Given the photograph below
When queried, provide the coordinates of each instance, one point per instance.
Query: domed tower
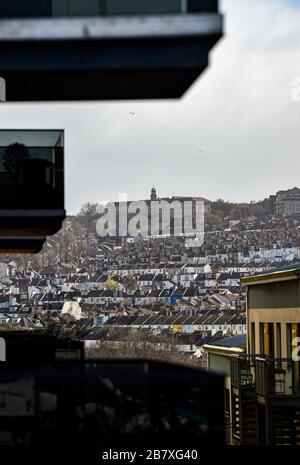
(153, 194)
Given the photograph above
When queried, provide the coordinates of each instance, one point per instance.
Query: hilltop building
(287, 202)
(177, 205)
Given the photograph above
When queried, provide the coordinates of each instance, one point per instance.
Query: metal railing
(269, 376)
(242, 370)
(276, 376)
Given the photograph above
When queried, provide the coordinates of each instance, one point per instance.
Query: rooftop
(286, 273)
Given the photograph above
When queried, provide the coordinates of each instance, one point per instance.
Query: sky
(234, 135)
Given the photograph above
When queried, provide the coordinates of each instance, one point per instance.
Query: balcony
(265, 400)
(105, 49)
(242, 371)
(31, 188)
(269, 376)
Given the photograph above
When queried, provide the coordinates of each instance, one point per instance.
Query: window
(270, 341)
(289, 340)
(30, 162)
(278, 340)
(252, 338)
(227, 403)
(48, 8)
(266, 339)
(261, 339)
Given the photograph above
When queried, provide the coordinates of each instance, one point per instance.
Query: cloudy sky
(234, 135)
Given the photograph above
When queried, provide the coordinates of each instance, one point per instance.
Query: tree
(13, 159)
(221, 208)
(87, 217)
(130, 283)
(138, 345)
(111, 284)
(89, 210)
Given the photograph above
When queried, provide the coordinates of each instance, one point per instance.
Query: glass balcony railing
(31, 188)
(66, 8)
(31, 170)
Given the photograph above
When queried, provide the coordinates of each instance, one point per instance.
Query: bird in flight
(132, 113)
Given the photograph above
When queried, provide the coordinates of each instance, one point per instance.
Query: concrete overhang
(106, 58)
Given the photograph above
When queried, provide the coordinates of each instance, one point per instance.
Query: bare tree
(116, 344)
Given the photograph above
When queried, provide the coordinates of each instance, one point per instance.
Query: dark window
(23, 9)
(289, 340)
(48, 8)
(261, 339)
(253, 345)
(271, 340)
(227, 403)
(278, 340)
(31, 170)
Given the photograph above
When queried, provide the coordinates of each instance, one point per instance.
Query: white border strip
(201, 24)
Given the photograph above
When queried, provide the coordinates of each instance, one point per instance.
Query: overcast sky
(240, 114)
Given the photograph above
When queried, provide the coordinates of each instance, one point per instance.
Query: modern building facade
(263, 384)
(273, 312)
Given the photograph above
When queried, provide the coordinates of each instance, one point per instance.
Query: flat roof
(227, 345)
(234, 341)
(276, 275)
